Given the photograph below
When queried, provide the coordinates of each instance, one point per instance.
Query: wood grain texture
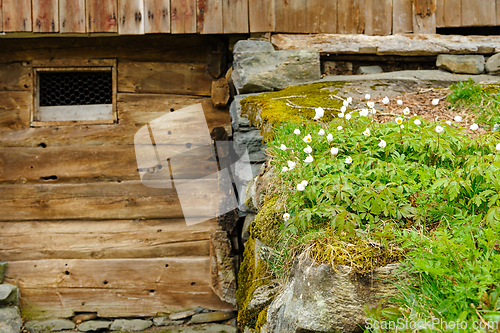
(104, 239)
(402, 17)
(350, 17)
(479, 13)
(163, 77)
(1, 16)
(321, 16)
(261, 16)
(183, 16)
(15, 109)
(15, 77)
(378, 17)
(102, 15)
(235, 16)
(45, 16)
(113, 287)
(72, 16)
(452, 13)
(157, 16)
(209, 16)
(131, 17)
(290, 15)
(440, 13)
(424, 16)
(16, 15)
(498, 11)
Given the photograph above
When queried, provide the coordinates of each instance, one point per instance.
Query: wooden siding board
(478, 13)
(350, 18)
(45, 16)
(291, 15)
(16, 15)
(1, 16)
(15, 109)
(209, 16)
(15, 77)
(424, 16)
(328, 17)
(378, 17)
(131, 17)
(72, 16)
(402, 17)
(157, 16)
(235, 16)
(261, 15)
(104, 239)
(102, 15)
(183, 16)
(440, 13)
(452, 13)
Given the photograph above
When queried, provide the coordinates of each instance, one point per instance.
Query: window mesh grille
(75, 88)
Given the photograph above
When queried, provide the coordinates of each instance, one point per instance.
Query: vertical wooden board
(209, 16)
(235, 16)
(131, 17)
(156, 16)
(72, 16)
(16, 15)
(45, 16)
(498, 12)
(101, 16)
(378, 17)
(261, 15)
(439, 13)
(183, 16)
(424, 16)
(1, 16)
(402, 13)
(291, 15)
(452, 13)
(321, 16)
(478, 13)
(350, 17)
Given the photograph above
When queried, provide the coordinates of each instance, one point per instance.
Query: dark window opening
(469, 31)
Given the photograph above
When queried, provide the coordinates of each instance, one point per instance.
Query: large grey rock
(253, 45)
(94, 325)
(493, 64)
(244, 232)
(130, 325)
(10, 320)
(252, 142)
(274, 70)
(261, 297)
(165, 321)
(222, 269)
(51, 325)
(369, 70)
(211, 317)
(317, 299)
(3, 267)
(465, 64)
(238, 121)
(8, 293)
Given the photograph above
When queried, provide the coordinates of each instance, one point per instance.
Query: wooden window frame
(73, 65)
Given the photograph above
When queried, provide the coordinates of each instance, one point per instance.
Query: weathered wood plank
(424, 16)
(378, 17)
(1, 16)
(350, 17)
(321, 16)
(183, 16)
(131, 17)
(113, 287)
(478, 13)
(45, 16)
(402, 17)
(102, 15)
(452, 13)
(235, 16)
(157, 16)
(440, 13)
(498, 11)
(104, 239)
(104, 200)
(72, 16)
(16, 15)
(290, 15)
(170, 78)
(15, 108)
(209, 16)
(261, 16)
(15, 77)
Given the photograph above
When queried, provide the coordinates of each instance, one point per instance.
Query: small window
(69, 92)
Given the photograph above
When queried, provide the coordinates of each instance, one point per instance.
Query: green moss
(492, 89)
(262, 318)
(268, 110)
(374, 87)
(267, 223)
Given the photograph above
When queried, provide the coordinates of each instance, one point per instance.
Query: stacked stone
(10, 318)
(469, 64)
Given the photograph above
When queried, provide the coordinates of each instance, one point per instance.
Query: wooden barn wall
(71, 194)
(131, 17)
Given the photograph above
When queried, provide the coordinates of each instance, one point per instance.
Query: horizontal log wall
(79, 230)
(136, 17)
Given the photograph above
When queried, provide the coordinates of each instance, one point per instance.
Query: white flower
(448, 123)
(458, 119)
(370, 104)
(439, 129)
(304, 182)
(340, 128)
(307, 138)
(402, 126)
(498, 147)
(319, 113)
(417, 122)
(341, 115)
(329, 137)
(400, 102)
(349, 99)
(308, 149)
(284, 169)
(297, 131)
(301, 187)
(363, 113)
(286, 217)
(385, 100)
(343, 109)
(367, 96)
(309, 159)
(345, 103)
(367, 132)
(435, 101)
(399, 120)
(321, 132)
(348, 160)
(474, 127)
(496, 127)
(406, 111)
(283, 147)
(334, 151)
(348, 116)
(291, 165)
(373, 111)
(382, 144)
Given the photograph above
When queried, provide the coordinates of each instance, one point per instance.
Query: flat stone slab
(130, 325)
(465, 64)
(165, 321)
(94, 325)
(214, 328)
(10, 320)
(211, 317)
(182, 315)
(51, 325)
(5, 292)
